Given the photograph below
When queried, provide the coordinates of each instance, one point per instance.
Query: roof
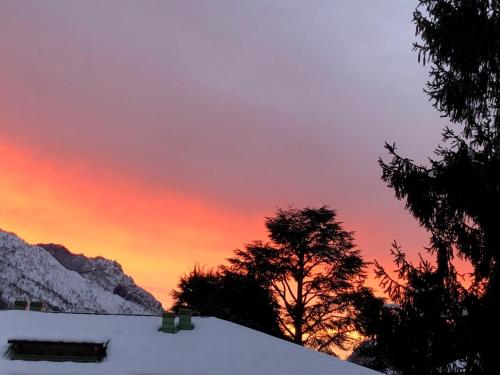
(136, 347)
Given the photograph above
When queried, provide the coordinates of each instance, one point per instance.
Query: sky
(162, 133)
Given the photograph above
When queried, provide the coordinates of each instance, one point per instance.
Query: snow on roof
(55, 337)
(136, 347)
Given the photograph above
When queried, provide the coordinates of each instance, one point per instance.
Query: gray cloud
(251, 104)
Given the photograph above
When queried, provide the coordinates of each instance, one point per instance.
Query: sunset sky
(161, 133)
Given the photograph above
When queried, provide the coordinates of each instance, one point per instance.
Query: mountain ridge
(107, 273)
(66, 281)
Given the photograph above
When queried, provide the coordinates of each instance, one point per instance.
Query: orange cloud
(155, 233)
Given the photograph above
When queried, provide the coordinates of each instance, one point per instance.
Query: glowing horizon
(161, 134)
(155, 234)
(150, 233)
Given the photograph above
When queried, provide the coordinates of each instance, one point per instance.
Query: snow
(55, 337)
(136, 347)
(106, 273)
(30, 272)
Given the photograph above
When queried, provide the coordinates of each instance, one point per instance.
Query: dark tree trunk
(299, 309)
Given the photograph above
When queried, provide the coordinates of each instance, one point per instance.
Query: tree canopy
(456, 197)
(230, 296)
(314, 270)
(427, 329)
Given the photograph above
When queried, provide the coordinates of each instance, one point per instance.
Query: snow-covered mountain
(106, 273)
(69, 283)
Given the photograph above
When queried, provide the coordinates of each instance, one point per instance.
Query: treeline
(307, 280)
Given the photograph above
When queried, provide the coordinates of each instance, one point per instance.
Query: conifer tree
(456, 197)
(228, 295)
(314, 270)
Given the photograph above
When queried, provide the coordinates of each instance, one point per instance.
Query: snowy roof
(214, 347)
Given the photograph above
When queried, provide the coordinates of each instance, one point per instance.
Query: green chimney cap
(168, 322)
(185, 319)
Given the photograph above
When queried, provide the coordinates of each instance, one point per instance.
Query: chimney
(168, 322)
(20, 304)
(185, 319)
(36, 305)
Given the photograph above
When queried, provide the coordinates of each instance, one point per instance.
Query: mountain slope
(106, 273)
(31, 272)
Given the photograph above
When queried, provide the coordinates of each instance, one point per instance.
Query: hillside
(106, 273)
(82, 285)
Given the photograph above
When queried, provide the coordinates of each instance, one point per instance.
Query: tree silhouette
(230, 296)
(314, 270)
(367, 354)
(427, 329)
(457, 197)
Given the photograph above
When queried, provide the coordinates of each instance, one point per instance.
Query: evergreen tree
(427, 329)
(457, 196)
(367, 354)
(314, 270)
(231, 296)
